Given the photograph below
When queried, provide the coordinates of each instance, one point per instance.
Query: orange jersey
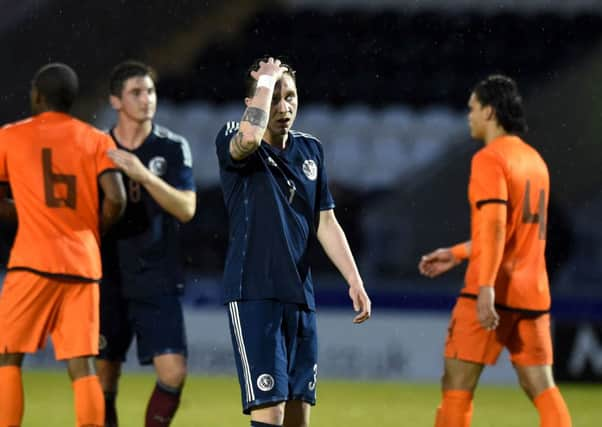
(512, 172)
(52, 162)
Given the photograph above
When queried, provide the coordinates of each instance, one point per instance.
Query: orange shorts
(33, 307)
(527, 337)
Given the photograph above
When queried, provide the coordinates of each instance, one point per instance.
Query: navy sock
(258, 424)
(110, 409)
(162, 406)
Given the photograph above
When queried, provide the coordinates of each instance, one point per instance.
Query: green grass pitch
(215, 402)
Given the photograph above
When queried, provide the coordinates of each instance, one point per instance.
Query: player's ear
(115, 102)
(490, 112)
(247, 101)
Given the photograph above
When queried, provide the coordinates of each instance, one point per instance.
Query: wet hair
(501, 93)
(58, 84)
(251, 83)
(125, 71)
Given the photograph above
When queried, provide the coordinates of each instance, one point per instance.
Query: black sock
(162, 405)
(110, 409)
(258, 424)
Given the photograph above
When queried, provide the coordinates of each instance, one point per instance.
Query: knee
(459, 381)
(270, 414)
(174, 376)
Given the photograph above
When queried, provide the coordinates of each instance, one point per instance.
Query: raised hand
(270, 67)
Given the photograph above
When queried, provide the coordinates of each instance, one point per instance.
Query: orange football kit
(53, 162)
(507, 171)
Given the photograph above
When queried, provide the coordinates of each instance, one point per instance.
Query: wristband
(266, 81)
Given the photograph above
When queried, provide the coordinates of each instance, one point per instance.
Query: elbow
(187, 214)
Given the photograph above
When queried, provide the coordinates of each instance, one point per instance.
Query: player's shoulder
(166, 136)
(229, 128)
(227, 131)
(306, 139)
(169, 136)
(17, 126)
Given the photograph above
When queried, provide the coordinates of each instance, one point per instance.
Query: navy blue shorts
(157, 322)
(276, 351)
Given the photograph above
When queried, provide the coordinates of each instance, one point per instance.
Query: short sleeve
(326, 199)
(222, 146)
(103, 161)
(487, 179)
(184, 178)
(3, 165)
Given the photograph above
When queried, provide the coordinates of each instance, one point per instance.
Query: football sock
(111, 409)
(552, 409)
(258, 424)
(162, 405)
(11, 396)
(89, 402)
(455, 409)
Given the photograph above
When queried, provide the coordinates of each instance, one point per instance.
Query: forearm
(179, 203)
(8, 212)
(253, 124)
(111, 211)
(334, 242)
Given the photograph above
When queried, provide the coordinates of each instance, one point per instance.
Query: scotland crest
(310, 170)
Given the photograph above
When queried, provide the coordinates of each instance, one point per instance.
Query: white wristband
(266, 81)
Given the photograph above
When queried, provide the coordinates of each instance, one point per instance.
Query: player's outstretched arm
(332, 238)
(113, 204)
(254, 120)
(179, 203)
(442, 260)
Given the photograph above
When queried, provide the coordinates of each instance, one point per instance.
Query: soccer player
(142, 276)
(54, 164)
(276, 192)
(505, 301)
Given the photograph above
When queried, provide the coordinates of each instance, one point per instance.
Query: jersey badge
(310, 170)
(158, 165)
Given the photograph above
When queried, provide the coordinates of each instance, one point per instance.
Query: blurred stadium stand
(383, 84)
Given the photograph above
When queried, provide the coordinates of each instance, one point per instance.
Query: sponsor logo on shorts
(158, 165)
(310, 170)
(265, 382)
(102, 342)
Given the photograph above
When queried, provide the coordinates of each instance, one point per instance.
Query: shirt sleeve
(326, 199)
(184, 178)
(487, 179)
(103, 161)
(222, 146)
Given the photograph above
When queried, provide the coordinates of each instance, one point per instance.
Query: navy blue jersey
(274, 198)
(141, 252)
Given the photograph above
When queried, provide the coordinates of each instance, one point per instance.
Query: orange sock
(89, 402)
(455, 409)
(11, 396)
(552, 409)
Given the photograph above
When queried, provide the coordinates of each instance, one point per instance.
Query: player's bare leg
(109, 372)
(163, 403)
(296, 414)
(460, 378)
(538, 383)
(271, 415)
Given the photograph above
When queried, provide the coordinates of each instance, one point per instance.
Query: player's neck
(494, 132)
(277, 141)
(132, 134)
